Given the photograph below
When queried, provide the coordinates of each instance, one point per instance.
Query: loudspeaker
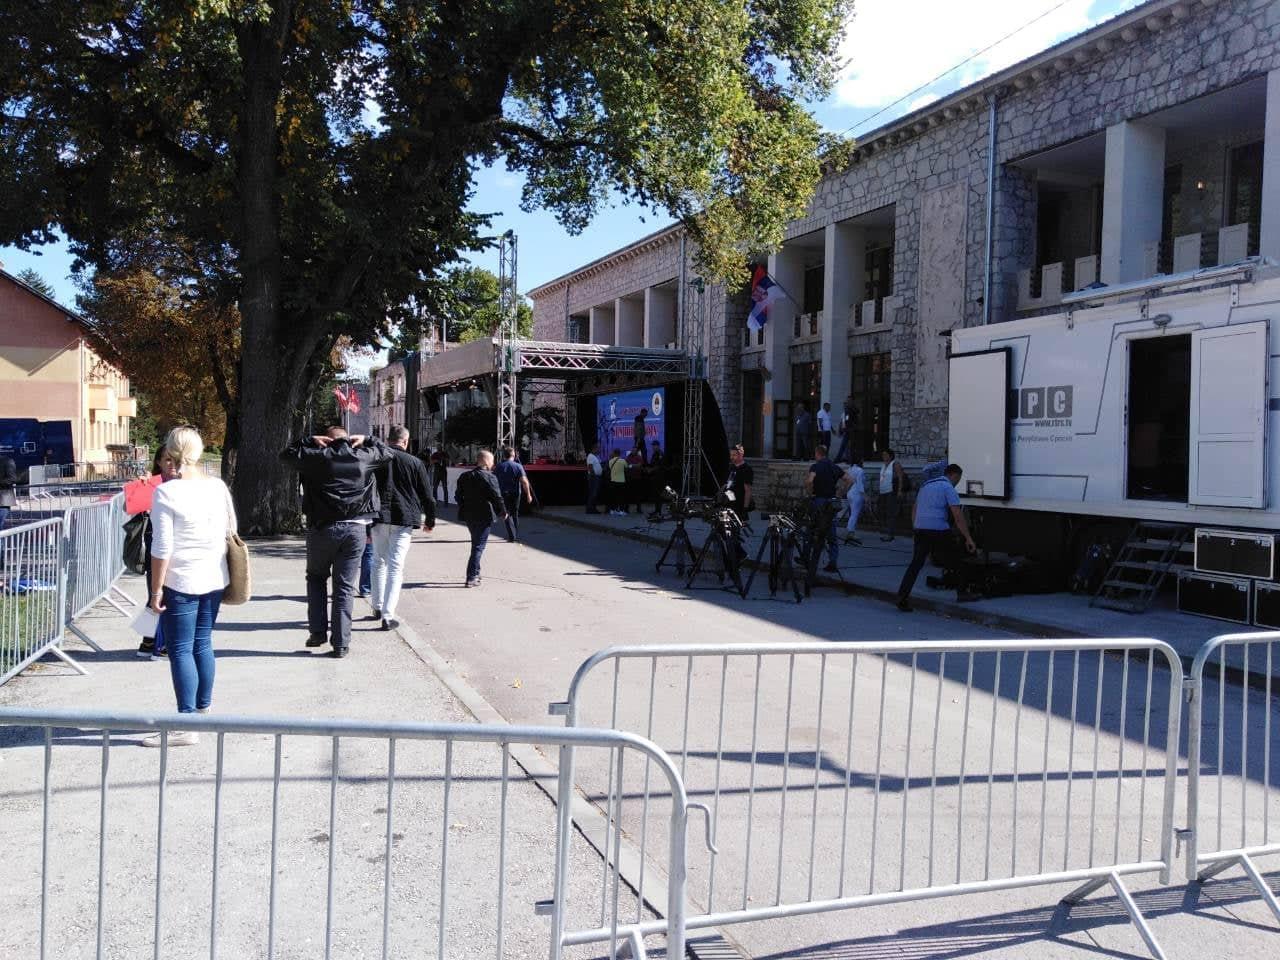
(433, 400)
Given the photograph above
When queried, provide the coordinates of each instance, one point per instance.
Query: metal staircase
(1151, 553)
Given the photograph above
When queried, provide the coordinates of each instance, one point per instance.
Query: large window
(1244, 190)
(752, 412)
(806, 385)
(870, 389)
(814, 278)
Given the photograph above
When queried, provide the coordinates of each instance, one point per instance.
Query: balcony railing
(1192, 251)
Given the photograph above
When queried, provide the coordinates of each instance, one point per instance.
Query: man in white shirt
(824, 425)
(854, 495)
(594, 471)
(891, 488)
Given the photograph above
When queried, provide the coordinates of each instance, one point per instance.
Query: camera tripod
(683, 547)
(779, 542)
(724, 545)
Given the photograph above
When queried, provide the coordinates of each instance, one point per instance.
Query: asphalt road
(548, 603)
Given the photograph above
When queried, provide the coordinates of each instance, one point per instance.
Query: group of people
(627, 479)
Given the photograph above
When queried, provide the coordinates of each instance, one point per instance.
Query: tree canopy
(469, 306)
(321, 155)
(36, 282)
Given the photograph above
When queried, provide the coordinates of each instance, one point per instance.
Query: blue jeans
(366, 567)
(593, 490)
(187, 625)
(479, 537)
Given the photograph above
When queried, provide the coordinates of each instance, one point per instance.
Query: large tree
(329, 148)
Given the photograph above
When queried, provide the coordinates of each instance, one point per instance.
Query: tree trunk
(265, 490)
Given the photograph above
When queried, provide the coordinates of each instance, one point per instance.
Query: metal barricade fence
(1233, 792)
(31, 604)
(280, 834)
(94, 559)
(39, 502)
(848, 774)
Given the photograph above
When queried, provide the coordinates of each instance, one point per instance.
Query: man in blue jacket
(479, 504)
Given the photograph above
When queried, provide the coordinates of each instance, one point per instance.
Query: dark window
(870, 389)
(879, 276)
(753, 412)
(814, 277)
(806, 385)
(1171, 222)
(1244, 191)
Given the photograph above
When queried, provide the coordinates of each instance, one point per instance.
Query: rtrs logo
(1045, 403)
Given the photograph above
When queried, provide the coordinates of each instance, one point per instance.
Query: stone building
(1149, 144)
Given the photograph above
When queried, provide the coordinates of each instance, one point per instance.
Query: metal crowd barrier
(41, 501)
(850, 774)
(94, 560)
(31, 600)
(348, 833)
(1229, 792)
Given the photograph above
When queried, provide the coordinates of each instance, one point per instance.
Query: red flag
(341, 398)
(353, 401)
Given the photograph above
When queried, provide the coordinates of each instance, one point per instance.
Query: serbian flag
(353, 401)
(764, 293)
(341, 397)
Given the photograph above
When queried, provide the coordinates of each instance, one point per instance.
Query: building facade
(49, 371)
(1147, 145)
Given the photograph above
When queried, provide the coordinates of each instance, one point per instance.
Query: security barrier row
(52, 572)
(841, 775)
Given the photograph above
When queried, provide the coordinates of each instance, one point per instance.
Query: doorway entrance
(1159, 431)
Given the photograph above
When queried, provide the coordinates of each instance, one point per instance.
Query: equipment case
(1235, 553)
(1209, 595)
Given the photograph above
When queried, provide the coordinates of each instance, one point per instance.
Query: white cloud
(896, 46)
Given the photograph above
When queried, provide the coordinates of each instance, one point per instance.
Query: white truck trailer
(1154, 401)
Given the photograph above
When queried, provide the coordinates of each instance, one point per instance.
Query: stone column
(602, 325)
(629, 315)
(1269, 234)
(1132, 199)
(844, 266)
(659, 316)
(787, 268)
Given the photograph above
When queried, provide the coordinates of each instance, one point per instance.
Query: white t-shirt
(857, 478)
(824, 420)
(593, 464)
(886, 477)
(191, 519)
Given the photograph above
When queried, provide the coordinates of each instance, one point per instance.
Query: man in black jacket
(340, 499)
(8, 487)
(405, 492)
(479, 503)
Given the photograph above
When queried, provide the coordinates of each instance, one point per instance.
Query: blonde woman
(191, 516)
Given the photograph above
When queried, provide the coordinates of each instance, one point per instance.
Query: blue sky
(889, 57)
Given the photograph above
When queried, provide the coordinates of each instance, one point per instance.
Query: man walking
(440, 475)
(8, 487)
(824, 425)
(937, 506)
(594, 471)
(820, 483)
(893, 482)
(404, 491)
(340, 499)
(514, 484)
(479, 502)
(804, 427)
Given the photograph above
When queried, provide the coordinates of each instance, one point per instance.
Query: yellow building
(50, 371)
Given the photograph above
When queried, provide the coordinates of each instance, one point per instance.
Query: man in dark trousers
(637, 432)
(937, 508)
(440, 474)
(822, 483)
(404, 491)
(479, 503)
(340, 499)
(513, 482)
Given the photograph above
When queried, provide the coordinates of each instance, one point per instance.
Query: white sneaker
(203, 709)
(177, 738)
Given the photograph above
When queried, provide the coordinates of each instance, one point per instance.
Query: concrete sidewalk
(876, 568)
(263, 669)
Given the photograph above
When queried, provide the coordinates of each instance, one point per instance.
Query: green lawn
(27, 622)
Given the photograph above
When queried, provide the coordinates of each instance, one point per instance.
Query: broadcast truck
(1132, 411)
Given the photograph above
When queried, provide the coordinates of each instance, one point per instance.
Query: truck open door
(1228, 416)
(978, 421)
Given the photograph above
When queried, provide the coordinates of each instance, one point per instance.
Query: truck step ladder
(1151, 553)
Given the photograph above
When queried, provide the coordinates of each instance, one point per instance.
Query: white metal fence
(1233, 758)
(849, 774)
(306, 838)
(52, 572)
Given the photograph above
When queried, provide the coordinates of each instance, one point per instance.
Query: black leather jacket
(405, 491)
(479, 499)
(338, 479)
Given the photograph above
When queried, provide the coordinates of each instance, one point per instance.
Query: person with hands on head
(192, 515)
(937, 508)
(340, 500)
